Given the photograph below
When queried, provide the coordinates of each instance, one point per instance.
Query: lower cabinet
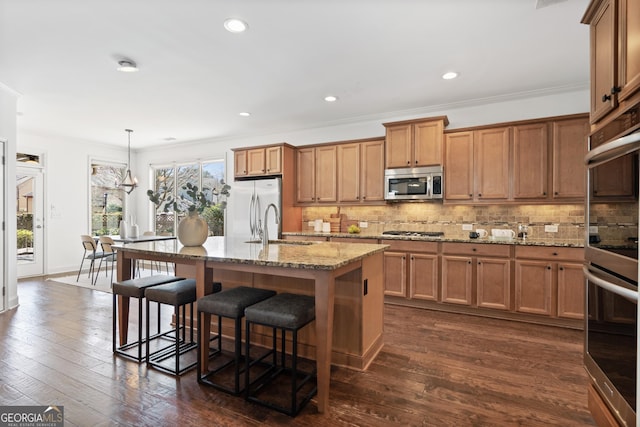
(549, 281)
(477, 275)
(411, 269)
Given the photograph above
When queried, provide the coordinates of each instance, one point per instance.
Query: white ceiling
(378, 56)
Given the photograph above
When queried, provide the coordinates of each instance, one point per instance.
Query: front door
(30, 221)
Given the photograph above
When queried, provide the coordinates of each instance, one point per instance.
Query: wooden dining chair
(91, 253)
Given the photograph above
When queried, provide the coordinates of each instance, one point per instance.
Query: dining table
(320, 262)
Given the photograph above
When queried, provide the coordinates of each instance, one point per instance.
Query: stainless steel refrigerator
(246, 208)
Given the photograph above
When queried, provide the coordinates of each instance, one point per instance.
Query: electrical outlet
(467, 227)
(363, 224)
(593, 229)
(551, 228)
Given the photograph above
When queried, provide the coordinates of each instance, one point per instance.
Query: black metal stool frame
(274, 370)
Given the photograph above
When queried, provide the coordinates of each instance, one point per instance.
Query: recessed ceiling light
(244, 114)
(234, 25)
(450, 75)
(331, 98)
(127, 66)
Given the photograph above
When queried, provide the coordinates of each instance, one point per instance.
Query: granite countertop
(570, 243)
(279, 253)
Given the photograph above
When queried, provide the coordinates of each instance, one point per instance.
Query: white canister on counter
(317, 225)
(123, 229)
(326, 227)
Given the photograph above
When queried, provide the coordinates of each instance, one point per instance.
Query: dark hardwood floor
(436, 369)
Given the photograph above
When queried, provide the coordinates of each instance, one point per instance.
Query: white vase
(193, 230)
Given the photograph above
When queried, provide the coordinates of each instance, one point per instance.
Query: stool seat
(135, 288)
(283, 311)
(174, 293)
(231, 303)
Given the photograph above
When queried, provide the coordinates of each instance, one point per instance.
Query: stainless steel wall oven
(611, 264)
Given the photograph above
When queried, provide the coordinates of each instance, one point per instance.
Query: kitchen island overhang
(346, 280)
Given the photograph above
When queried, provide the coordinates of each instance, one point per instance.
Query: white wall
(8, 111)
(66, 181)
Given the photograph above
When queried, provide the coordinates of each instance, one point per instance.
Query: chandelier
(128, 183)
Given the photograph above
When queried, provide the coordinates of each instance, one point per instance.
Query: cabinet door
(534, 281)
(629, 61)
(306, 185)
(349, 173)
(398, 146)
(614, 179)
(530, 147)
(491, 147)
(240, 163)
(456, 279)
(458, 166)
(603, 60)
(423, 276)
(427, 143)
(571, 287)
(494, 283)
(395, 274)
(256, 161)
(273, 160)
(326, 174)
(372, 172)
(570, 145)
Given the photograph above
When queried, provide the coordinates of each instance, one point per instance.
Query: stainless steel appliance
(611, 264)
(246, 208)
(423, 183)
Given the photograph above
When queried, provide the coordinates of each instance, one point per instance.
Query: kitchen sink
(283, 242)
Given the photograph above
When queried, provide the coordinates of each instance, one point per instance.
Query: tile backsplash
(449, 219)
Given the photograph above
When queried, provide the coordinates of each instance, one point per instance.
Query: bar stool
(287, 312)
(134, 288)
(177, 294)
(231, 304)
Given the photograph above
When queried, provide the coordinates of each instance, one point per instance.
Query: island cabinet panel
(530, 156)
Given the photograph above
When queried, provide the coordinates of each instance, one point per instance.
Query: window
(171, 180)
(107, 200)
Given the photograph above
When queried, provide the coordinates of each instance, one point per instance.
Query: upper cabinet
(415, 143)
(258, 161)
(523, 162)
(615, 54)
(348, 173)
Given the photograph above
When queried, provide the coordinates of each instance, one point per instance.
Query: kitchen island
(345, 278)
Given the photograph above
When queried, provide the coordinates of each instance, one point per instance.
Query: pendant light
(129, 183)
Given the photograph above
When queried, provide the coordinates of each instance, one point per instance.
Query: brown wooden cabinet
(549, 281)
(534, 161)
(615, 54)
(258, 161)
(529, 160)
(415, 143)
(360, 172)
(317, 174)
(476, 275)
(411, 269)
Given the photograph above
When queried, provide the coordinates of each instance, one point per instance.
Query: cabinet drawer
(474, 249)
(410, 246)
(550, 253)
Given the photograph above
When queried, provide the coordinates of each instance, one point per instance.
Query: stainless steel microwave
(424, 183)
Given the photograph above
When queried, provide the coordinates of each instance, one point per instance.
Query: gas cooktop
(414, 233)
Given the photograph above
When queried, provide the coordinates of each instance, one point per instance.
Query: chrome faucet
(265, 230)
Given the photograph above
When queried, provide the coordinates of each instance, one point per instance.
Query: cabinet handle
(364, 197)
(469, 262)
(416, 162)
(408, 162)
(403, 258)
(412, 258)
(606, 97)
(548, 267)
(561, 268)
(555, 194)
(555, 254)
(615, 90)
(470, 195)
(544, 193)
(473, 249)
(479, 194)
(479, 263)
